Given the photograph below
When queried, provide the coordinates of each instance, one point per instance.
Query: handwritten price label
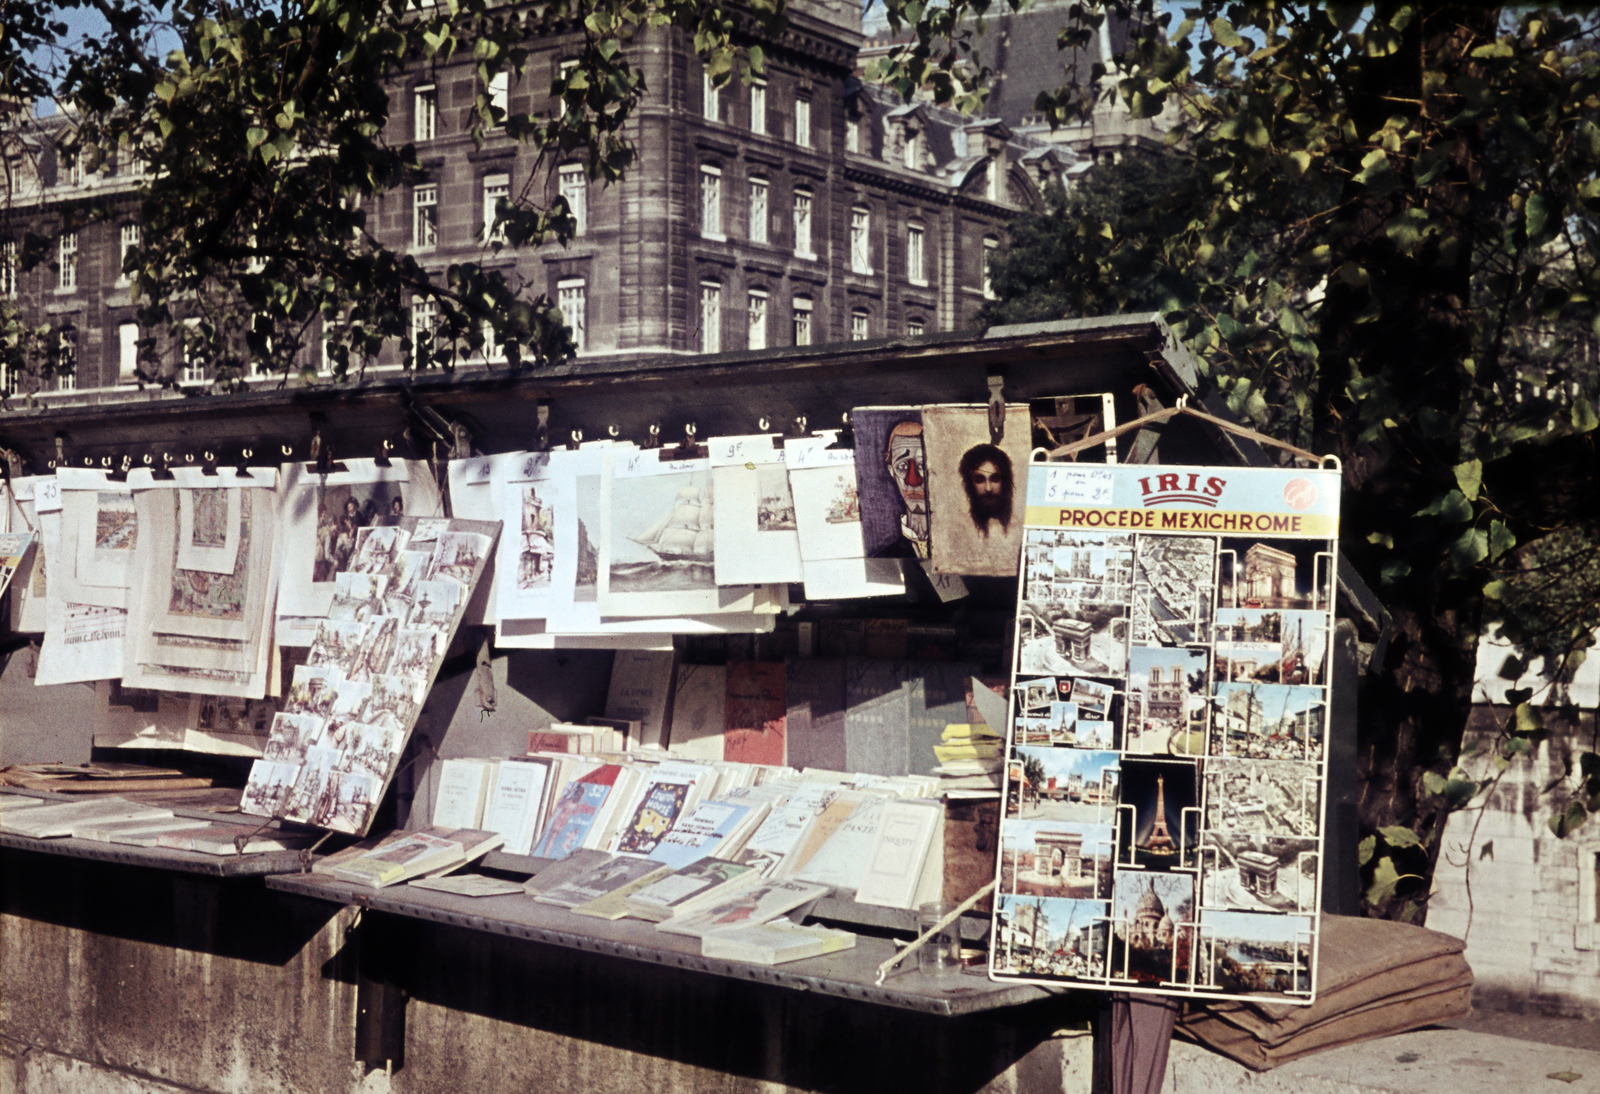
(47, 496)
(1078, 486)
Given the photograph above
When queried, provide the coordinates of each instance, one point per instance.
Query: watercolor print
(1056, 858)
(1278, 573)
(357, 596)
(1160, 824)
(891, 481)
(290, 736)
(586, 586)
(402, 588)
(337, 645)
(536, 555)
(457, 555)
(342, 511)
(414, 654)
(354, 798)
(774, 502)
(1056, 937)
(1063, 784)
(1267, 721)
(1094, 564)
(395, 699)
(661, 533)
(269, 784)
(208, 529)
(206, 595)
(436, 604)
(1254, 873)
(974, 500)
(1166, 708)
(1174, 589)
(1251, 952)
(1272, 797)
(311, 690)
(378, 549)
(1152, 927)
(116, 528)
(843, 501)
(376, 650)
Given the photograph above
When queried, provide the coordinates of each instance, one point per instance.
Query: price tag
(1078, 486)
(47, 496)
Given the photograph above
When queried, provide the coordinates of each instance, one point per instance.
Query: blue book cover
(572, 818)
(699, 833)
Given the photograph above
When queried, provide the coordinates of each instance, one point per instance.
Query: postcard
(1166, 702)
(1056, 858)
(1255, 873)
(1153, 927)
(1268, 721)
(1272, 797)
(1251, 952)
(1050, 938)
(1159, 814)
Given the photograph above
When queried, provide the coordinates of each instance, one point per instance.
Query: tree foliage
(1382, 246)
(262, 134)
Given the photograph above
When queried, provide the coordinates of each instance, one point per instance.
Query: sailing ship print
(674, 549)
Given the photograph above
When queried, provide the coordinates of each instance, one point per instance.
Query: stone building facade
(805, 208)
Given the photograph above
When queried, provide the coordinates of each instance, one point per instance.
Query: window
(915, 270)
(710, 99)
(493, 348)
(758, 107)
(802, 320)
(911, 153)
(425, 113)
(128, 353)
(996, 180)
(496, 188)
(128, 239)
(758, 319)
(758, 210)
(67, 359)
(135, 162)
(914, 328)
(500, 97)
(575, 188)
(424, 318)
(802, 224)
(991, 247)
(71, 170)
(711, 202)
(802, 122)
(858, 325)
(710, 317)
(572, 298)
(852, 135)
(860, 250)
(8, 380)
(67, 258)
(425, 217)
(8, 269)
(194, 365)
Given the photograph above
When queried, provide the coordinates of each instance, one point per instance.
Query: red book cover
(755, 713)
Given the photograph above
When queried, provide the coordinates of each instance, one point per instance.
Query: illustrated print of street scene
(1056, 858)
(1166, 709)
(116, 528)
(1272, 797)
(1251, 952)
(774, 502)
(1174, 589)
(1271, 646)
(1253, 873)
(536, 559)
(209, 526)
(1050, 937)
(1064, 784)
(1293, 574)
(1268, 721)
(1097, 565)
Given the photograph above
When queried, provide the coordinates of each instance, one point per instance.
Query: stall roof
(720, 394)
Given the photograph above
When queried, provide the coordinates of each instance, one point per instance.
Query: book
(838, 862)
(428, 850)
(658, 809)
(516, 800)
(818, 830)
(699, 712)
(574, 813)
(974, 750)
(895, 875)
(614, 903)
(814, 712)
(599, 881)
(564, 869)
(463, 789)
(108, 831)
(775, 942)
(623, 735)
(754, 713)
(641, 691)
(52, 821)
(474, 885)
(690, 887)
(218, 839)
(618, 807)
(758, 903)
(560, 737)
(969, 733)
(9, 802)
(701, 831)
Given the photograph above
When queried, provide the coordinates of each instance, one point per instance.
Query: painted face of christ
(908, 468)
(986, 475)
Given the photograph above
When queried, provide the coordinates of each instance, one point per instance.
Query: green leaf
(1469, 476)
(1384, 879)
(1564, 824)
(1537, 213)
(1470, 548)
(1433, 782)
(1529, 719)
(1501, 540)
(1365, 849)
(1223, 32)
(254, 136)
(1399, 836)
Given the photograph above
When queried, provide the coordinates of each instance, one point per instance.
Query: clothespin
(847, 433)
(575, 441)
(381, 458)
(541, 434)
(208, 464)
(243, 470)
(653, 437)
(165, 470)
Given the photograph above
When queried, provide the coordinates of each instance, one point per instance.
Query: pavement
(1560, 1056)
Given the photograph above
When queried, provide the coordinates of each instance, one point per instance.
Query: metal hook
(577, 439)
(800, 425)
(764, 423)
(613, 432)
(288, 450)
(382, 458)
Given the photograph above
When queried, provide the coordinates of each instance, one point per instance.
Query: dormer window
(911, 149)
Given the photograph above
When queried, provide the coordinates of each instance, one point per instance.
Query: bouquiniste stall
(1166, 766)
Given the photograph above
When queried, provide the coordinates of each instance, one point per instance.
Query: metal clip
(577, 439)
(997, 410)
(381, 459)
(541, 432)
(847, 433)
